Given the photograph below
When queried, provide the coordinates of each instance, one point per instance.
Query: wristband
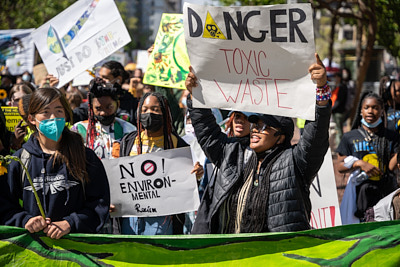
(323, 93)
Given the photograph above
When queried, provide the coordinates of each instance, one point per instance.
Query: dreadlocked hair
(99, 88)
(380, 142)
(167, 121)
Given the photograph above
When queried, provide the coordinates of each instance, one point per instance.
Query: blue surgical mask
(371, 125)
(52, 128)
(26, 78)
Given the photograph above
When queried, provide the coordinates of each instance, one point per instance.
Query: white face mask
(189, 129)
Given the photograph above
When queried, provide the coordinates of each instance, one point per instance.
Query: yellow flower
(3, 169)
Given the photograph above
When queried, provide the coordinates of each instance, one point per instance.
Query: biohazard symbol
(211, 29)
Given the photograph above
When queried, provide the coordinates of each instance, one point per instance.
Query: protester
(155, 133)
(390, 92)
(22, 132)
(262, 187)
(17, 92)
(103, 131)
(339, 101)
(365, 151)
(70, 180)
(114, 72)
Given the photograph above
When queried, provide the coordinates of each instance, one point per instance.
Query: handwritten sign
(12, 117)
(17, 50)
(79, 37)
(252, 58)
(153, 184)
(168, 64)
(323, 194)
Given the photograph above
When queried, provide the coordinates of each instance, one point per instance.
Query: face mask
(189, 129)
(52, 128)
(105, 120)
(151, 121)
(184, 101)
(25, 77)
(371, 125)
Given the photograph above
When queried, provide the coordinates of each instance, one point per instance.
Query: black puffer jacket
(291, 175)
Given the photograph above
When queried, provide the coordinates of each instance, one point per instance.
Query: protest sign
(79, 37)
(17, 50)
(12, 117)
(324, 199)
(168, 64)
(252, 58)
(153, 184)
(141, 58)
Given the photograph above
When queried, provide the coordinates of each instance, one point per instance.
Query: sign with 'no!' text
(79, 37)
(154, 184)
(253, 58)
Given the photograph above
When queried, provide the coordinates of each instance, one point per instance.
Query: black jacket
(291, 175)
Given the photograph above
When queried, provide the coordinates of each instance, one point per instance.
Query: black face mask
(105, 120)
(151, 122)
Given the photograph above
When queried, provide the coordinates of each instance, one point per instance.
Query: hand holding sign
(318, 74)
(191, 80)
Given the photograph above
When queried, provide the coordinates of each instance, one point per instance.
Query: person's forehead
(103, 101)
(104, 72)
(151, 101)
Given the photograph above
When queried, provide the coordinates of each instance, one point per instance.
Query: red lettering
(226, 59)
(332, 210)
(247, 85)
(279, 93)
(259, 63)
(255, 83)
(249, 63)
(229, 97)
(241, 61)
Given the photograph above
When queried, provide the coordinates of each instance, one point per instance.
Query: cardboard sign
(12, 117)
(17, 50)
(168, 64)
(79, 37)
(252, 58)
(323, 194)
(154, 184)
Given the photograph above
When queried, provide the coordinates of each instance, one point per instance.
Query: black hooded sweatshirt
(85, 207)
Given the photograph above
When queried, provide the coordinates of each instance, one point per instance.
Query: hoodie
(62, 196)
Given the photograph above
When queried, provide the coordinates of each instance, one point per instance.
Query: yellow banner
(12, 117)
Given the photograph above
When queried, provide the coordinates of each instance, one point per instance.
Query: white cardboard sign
(252, 58)
(79, 37)
(154, 184)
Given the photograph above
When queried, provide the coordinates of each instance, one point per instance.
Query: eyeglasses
(261, 127)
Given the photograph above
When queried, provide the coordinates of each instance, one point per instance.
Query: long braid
(91, 129)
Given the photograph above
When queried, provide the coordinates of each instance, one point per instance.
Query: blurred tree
(22, 14)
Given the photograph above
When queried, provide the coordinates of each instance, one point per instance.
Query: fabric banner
(17, 51)
(79, 37)
(368, 244)
(12, 117)
(323, 195)
(168, 64)
(153, 184)
(253, 58)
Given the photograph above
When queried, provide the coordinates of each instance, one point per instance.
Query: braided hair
(168, 129)
(99, 88)
(381, 143)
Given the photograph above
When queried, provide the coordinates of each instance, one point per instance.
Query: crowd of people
(260, 180)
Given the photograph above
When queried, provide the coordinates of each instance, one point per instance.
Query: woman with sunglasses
(264, 186)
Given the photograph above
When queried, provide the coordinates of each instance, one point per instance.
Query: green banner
(369, 244)
(168, 64)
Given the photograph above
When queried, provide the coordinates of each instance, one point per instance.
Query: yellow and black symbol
(211, 29)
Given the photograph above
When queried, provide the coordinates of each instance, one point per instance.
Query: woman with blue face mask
(70, 179)
(365, 151)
